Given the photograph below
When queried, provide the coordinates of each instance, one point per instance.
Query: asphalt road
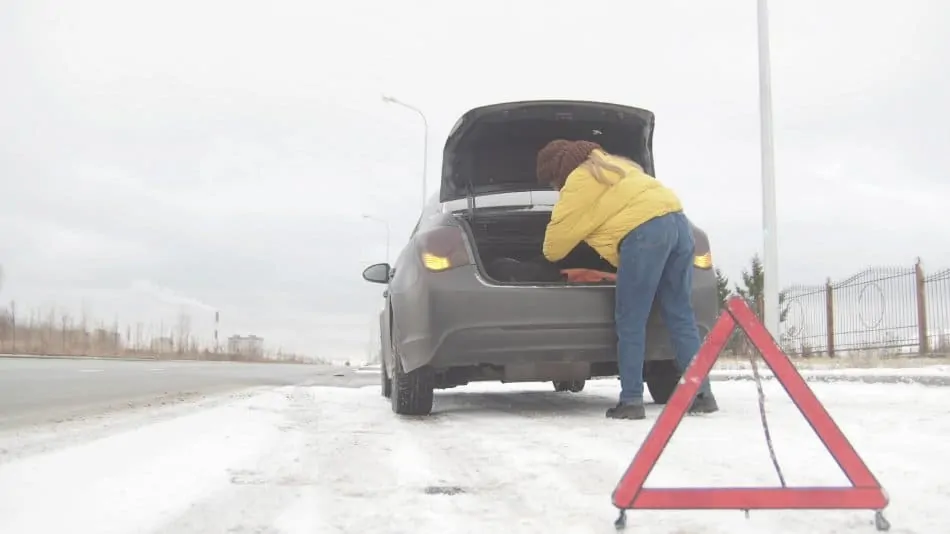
(40, 390)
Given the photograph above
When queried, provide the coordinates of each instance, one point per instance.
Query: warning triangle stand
(865, 493)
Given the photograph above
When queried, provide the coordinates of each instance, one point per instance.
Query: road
(36, 390)
(41, 390)
(517, 458)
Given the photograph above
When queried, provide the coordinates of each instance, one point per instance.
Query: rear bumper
(459, 321)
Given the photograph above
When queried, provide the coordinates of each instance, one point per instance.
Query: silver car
(448, 321)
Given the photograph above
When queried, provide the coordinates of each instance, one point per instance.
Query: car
(446, 321)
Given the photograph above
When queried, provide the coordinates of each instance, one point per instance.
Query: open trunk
(502, 236)
(492, 150)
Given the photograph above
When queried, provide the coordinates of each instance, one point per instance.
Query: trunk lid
(493, 149)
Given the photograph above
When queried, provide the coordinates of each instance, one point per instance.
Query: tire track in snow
(584, 453)
(534, 429)
(332, 472)
(378, 466)
(702, 446)
(455, 457)
(346, 450)
(261, 488)
(594, 453)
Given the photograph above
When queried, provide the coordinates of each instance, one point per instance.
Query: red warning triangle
(865, 493)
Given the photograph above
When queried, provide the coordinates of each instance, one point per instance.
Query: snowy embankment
(933, 374)
(519, 459)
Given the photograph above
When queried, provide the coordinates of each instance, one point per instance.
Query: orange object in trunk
(588, 275)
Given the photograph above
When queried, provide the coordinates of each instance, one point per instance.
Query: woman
(637, 225)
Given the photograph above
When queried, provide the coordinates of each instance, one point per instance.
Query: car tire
(385, 383)
(662, 379)
(413, 392)
(574, 386)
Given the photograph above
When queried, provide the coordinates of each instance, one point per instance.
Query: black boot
(704, 403)
(623, 410)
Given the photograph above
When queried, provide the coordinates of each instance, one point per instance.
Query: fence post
(830, 316)
(922, 338)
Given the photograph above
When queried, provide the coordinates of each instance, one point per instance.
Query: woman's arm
(573, 217)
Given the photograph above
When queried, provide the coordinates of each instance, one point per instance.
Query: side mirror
(377, 273)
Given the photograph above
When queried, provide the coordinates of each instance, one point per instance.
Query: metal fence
(890, 310)
(937, 311)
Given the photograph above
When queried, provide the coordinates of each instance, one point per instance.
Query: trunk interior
(504, 236)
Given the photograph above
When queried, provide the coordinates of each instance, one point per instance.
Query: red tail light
(443, 248)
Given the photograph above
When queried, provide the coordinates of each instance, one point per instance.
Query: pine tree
(753, 287)
(722, 286)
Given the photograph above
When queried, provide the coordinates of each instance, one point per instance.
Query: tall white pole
(425, 156)
(425, 139)
(769, 218)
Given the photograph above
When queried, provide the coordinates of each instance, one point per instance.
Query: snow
(734, 368)
(526, 460)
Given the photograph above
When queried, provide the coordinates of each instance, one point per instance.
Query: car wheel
(662, 379)
(385, 383)
(574, 386)
(412, 392)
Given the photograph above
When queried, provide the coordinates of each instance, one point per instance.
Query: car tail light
(703, 261)
(702, 256)
(443, 248)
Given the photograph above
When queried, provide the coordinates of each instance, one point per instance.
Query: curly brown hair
(560, 157)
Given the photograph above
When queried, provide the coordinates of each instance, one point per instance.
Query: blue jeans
(656, 261)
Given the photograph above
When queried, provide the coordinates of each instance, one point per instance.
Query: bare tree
(65, 328)
(184, 331)
(48, 331)
(138, 336)
(30, 328)
(84, 334)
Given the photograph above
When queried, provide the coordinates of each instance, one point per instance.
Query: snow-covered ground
(520, 459)
(932, 371)
(930, 366)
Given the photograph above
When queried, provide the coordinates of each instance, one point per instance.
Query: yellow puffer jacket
(602, 215)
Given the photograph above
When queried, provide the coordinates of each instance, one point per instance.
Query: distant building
(246, 345)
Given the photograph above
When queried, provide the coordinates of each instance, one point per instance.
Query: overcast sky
(209, 154)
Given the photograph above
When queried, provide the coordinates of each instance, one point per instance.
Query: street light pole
(388, 234)
(425, 139)
(770, 291)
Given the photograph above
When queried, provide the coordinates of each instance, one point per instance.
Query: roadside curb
(109, 358)
(143, 359)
